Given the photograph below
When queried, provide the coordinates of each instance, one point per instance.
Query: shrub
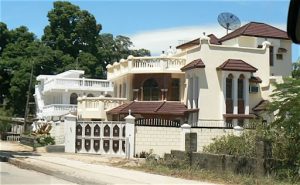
(243, 145)
(45, 140)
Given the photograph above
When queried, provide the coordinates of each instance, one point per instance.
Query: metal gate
(100, 137)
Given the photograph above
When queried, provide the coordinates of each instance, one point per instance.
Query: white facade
(56, 95)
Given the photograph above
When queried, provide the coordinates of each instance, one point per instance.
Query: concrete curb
(58, 174)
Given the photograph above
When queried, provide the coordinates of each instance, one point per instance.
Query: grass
(208, 176)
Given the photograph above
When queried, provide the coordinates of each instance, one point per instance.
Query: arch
(229, 94)
(106, 131)
(78, 130)
(87, 130)
(229, 86)
(73, 98)
(116, 131)
(150, 90)
(90, 95)
(97, 130)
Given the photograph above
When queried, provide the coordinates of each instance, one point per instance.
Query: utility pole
(28, 97)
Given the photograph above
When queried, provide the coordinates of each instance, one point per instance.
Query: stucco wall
(211, 79)
(58, 132)
(205, 136)
(158, 139)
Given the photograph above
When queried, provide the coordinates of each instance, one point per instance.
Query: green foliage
(243, 145)
(296, 69)
(44, 140)
(70, 31)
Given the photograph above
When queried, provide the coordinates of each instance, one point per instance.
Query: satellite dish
(229, 21)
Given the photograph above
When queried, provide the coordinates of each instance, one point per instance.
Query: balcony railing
(78, 84)
(58, 109)
(96, 107)
(145, 65)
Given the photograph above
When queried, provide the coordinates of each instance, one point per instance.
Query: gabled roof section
(236, 65)
(198, 63)
(255, 79)
(257, 29)
(261, 106)
(151, 107)
(213, 40)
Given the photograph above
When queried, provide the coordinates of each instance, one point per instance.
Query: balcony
(58, 109)
(64, 84)
(96, 107)
(137, 65)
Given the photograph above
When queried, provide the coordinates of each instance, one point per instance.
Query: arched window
(229, 101)
(90, 95)
(241, 87)
(73, 98)
(150, 90)
(229, 86)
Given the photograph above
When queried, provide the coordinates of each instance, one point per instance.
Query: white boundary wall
(160, 140)
(205, 136)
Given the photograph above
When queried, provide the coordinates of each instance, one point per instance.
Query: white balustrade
(78, 83)
(96, 107)
(58, 109)
(146, 65)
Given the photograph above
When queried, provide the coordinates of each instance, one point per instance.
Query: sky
(154, 25)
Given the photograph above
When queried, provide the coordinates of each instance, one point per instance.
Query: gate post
(70, 133)
(185, 128)
(130, 136)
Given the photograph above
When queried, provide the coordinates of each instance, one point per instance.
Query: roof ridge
(160, 106)
(127, 106)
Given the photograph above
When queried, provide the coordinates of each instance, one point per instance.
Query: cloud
(158, 40)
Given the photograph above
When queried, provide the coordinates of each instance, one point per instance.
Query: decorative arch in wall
(73, 98)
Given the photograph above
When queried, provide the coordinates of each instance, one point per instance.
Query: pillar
(130, 136)
(70, 133)
(185, 128)
(246, 95)
(235, 95)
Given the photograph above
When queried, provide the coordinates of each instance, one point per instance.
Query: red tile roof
(213, 40)
(261, 106)
(255, 79)
(236, 65)
(198, 63)
(256, 29)
(151, 107)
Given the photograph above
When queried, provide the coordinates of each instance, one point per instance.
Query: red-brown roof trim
(213, 40)
(198, 63)
(257, 29)
(154, 107)
(236, 65)
(255, 79)
(261, 106)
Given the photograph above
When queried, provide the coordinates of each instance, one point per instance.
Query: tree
(296, 69)
(4, 36)
(71, 29)
(285, 130)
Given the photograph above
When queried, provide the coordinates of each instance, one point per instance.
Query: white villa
(208, 83)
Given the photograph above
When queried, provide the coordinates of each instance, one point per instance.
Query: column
(224, 93)
(235, 95)
(70, 133)
(246, 95)
(194, 92)
(130, 136)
